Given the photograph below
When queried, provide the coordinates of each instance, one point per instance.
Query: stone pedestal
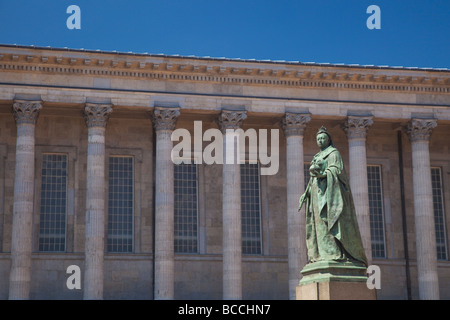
(335, 291)
(329, 280)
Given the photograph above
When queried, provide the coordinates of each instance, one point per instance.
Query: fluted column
(164, 121)
(96, 116)
(419, 131)
(356, 128)
(231, 208)
(25, 114)
(294, 126)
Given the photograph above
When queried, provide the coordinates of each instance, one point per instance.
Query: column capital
(231, 119)
(356, 127)
(26, 111)
(420, 129)
(294, 124)
(165, 118)
(97, 114)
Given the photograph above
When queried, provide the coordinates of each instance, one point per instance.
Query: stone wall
(65, 80)
(198, 276)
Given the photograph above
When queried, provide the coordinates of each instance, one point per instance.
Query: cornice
(175, 68)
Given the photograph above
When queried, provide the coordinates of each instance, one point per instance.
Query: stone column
(419, 131)
(164, 121)
(96, 116)
(294, 126)
(25, 114)
(356, 128)
(231, 208)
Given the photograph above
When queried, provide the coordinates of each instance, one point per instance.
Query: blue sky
(413, 33)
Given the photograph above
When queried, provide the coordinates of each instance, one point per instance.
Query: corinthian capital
(26, 111)
(231, 119)
(96, 114)
(420, 129)
(357, 126)
(294, 124)
(165, 118)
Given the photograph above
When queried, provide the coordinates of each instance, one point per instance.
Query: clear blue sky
(413, 33)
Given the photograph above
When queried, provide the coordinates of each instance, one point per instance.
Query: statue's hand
(321, 175)
(301, 201)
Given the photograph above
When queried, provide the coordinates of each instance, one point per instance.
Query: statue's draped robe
(332, 232)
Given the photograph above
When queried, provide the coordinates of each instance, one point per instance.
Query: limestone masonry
(86, 176)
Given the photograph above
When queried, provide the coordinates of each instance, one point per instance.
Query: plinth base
(335, 291)
(331, 280)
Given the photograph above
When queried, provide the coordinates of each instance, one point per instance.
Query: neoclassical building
(88, 176)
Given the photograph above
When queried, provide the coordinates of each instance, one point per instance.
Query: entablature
(221, 70)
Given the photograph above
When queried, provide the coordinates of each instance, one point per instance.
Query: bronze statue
(332, 232)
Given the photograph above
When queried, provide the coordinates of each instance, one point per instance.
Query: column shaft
(360, 191)
(231, 208)
(232, 230)
(294, 125)
(164, 203)
(164, 121)
(26, 114)
(356, 129)
(96, 117)
(419, 132)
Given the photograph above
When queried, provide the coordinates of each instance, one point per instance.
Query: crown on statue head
(323, 130)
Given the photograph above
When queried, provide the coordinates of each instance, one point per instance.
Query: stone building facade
(87, 177)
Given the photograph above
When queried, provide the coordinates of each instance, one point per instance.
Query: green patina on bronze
(322, 271)
(332, 232)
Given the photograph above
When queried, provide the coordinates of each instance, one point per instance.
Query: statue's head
(323, 138)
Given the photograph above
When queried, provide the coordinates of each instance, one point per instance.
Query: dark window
(52, 222)
(439, 217)
(250, 209)
(120, 204)
(185, 213)
(376, 212)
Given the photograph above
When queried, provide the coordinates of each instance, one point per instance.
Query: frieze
(201, 69)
